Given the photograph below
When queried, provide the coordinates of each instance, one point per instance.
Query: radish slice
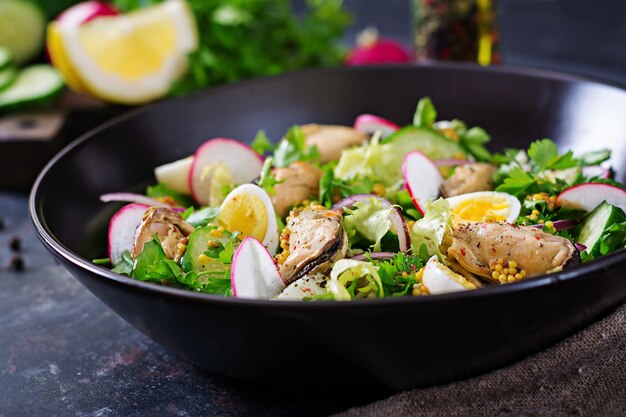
(85, 12)
(370, 124)
(122, 230)
(243, 163)
(175, 175)
(397, 221)
(558, 225)
(253, 273)
(421, 178)
(374, 256)
(133, 198)
(590, 195)
(451, 162)
(596, 171)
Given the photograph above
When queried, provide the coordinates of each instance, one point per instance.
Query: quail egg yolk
(246, 214)
(492, 209)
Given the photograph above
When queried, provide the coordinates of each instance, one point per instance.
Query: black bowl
(389, 343)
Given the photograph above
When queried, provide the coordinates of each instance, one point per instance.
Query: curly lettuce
(350, 279)
(379, 163)
(430, 230)
(368, 220)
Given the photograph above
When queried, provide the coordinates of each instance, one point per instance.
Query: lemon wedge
(127, 59)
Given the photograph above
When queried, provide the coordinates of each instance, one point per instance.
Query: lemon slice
(129, 59)
(59, 59)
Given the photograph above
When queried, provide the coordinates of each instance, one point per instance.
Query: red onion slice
(451, 162)
(374, 255)
(580, 247)
(558, 224)
(133, 198)
(397, 221)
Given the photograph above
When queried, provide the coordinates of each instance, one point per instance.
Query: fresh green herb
(267, 180)
(153, 265)
(425, 114)
(125, 266)
(398, 274)
(203, 216)
(161, 190)
(293, 148)
(261, 143)
(333, 189)
(102, 261)
(187, 213)
(545, 155)
(249, 38)
(473, 141)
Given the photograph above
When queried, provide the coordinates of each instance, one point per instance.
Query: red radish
(85, 12)
(370, 124)
(372, 50)
(253, 273)
(596, 171)
(133, 198)
(175, 174)
(122, 230)
(243, 163)
(394, 216)
(590, 195)
(421, 178)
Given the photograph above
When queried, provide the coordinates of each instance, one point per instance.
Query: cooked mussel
(468, 179)
(313, 238)
(168, 226)
(503, 252)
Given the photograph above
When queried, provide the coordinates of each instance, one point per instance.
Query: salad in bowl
(366, 211)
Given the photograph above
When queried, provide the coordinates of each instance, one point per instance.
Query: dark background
(586, 37)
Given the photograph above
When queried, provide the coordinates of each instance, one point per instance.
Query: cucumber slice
(6, 58)
(7, 77)
(22, 27)
(594, 225)
(196, 246)
(33, 85)
(434, 145)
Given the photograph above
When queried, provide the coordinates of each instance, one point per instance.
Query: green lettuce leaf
(376, 162)
(369, 220)
(429, 230)
(350, 279)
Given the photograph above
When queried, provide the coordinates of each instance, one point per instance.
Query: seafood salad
(366, 211)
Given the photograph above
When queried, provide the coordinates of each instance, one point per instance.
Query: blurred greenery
(246, 38)
(52, 8)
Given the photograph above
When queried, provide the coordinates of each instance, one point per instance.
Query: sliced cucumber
(7, 77)
(594, 225)
(6, 58)
(434, 145)
(22, 28)
(196, 246)
(33, 85)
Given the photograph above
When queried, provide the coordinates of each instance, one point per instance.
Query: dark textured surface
(64, 353)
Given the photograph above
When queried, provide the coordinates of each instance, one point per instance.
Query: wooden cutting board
(29, 139)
